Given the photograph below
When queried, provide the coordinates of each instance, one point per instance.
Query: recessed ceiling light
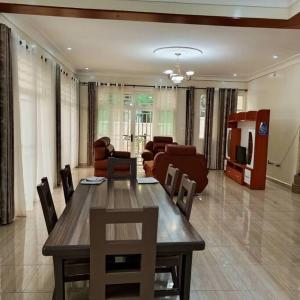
(275, 56)
(190, 73)
(69, 48)
(234, 75)
(86, 68)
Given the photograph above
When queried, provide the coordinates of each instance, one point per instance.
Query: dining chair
(171, 264)
(74, 269)
(126, 163)
(171, 180)
(136, 281)
(186, 196)
(67, 182)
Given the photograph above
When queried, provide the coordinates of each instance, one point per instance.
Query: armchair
(157, 145)
(103, 150)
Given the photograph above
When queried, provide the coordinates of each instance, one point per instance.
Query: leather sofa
(103, 149)
(157, 145)
(185, 158)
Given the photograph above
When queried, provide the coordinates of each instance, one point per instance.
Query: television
(241, 154)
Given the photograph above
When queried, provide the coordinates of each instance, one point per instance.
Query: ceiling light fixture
(234, 75)
(175, 76)
(275, 56)
(69, 48)
(86, 68)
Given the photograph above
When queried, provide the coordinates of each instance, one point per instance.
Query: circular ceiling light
(185, 52)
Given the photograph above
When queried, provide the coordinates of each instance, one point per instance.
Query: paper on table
(86, 181)
(145, 180)
(94, 178)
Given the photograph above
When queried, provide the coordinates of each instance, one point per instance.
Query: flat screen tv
(241, 154)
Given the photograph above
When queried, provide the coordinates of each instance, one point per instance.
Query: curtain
(69, 120)
(112, 115)
(58, 121)
(190, 111)
(35, 119)
(92, 100)
(164, 112)
(6, 129)
(210, 92)
(227, 106)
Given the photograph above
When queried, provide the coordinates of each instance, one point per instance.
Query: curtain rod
(152, 86)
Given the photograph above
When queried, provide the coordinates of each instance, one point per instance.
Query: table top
(71, 235)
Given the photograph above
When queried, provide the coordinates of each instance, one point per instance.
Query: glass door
(137, 126)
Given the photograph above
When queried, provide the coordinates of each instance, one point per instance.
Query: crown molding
(290, 61)
(38, 38)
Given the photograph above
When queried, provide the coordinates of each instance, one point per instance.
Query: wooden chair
(171, 180)
(67, 182)
(137, 280)
(126, 162)
(171, 264)
(47, 204)
(186, 196)
(74, 270)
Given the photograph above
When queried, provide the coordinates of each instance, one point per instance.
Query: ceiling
(124, 47)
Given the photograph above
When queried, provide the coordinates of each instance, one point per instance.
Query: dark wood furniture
(171, 180)
(251, 131)
(136, 282)
(70, 237)
(115, 164)
(71, 269)
(67, 182)
(47, 204)
(186, 196)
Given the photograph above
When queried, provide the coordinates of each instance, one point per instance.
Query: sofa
(157, 145)
(103, 149)
(185, 158)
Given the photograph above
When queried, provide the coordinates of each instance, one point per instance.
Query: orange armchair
(103, 149)
(185, 158)
(157, 145)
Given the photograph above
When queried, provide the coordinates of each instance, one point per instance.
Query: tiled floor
(252, 238)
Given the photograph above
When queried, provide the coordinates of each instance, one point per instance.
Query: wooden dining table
(70, 238)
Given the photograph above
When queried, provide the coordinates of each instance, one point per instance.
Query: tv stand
(250, 130)
(235, 171)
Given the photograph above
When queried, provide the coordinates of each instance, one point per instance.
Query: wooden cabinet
(250, 130)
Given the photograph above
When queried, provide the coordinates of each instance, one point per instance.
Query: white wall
(280, 94)
(149, 80)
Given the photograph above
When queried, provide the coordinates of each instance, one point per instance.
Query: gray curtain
(227, 106)
(210, 94)
(58, 123)
(189, 116)
(92, 98)
(7, 209)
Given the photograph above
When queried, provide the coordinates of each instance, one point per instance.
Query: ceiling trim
(292, 23)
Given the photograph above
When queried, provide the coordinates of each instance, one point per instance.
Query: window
(202, 116)
(241, 101)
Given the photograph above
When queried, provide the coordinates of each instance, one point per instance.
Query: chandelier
(175, 75)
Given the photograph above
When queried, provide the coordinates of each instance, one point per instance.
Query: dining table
(70, 238)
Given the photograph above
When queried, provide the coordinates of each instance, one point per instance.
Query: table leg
(186, 269)
(59, 290)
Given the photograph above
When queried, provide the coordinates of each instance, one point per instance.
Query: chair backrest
(47, 204)
(171, 180)
(121, 168)
(67, 182)
(186, 196)
(135, 282)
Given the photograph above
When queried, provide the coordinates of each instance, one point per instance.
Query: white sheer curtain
(164, 112)
(34, 121)
(69, 120)
(111, 117)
